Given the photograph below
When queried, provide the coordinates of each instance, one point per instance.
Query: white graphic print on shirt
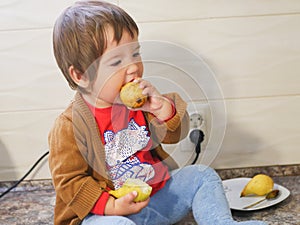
(120, 148)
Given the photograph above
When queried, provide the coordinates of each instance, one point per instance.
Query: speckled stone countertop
(32, 202)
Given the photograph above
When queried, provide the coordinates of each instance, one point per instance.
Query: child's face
(119, 64)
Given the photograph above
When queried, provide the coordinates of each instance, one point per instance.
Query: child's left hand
(156, 104)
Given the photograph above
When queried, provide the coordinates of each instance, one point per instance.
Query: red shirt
(126, 138)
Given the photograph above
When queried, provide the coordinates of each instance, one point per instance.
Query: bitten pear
(142, 188)
(131, 95)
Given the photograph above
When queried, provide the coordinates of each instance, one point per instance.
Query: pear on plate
(130, 185)
(260, 185)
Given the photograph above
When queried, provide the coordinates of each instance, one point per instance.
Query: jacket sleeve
(70, 171)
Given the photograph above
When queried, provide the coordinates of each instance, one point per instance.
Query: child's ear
(79, 78)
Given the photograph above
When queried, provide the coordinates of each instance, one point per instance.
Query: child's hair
(79, 35)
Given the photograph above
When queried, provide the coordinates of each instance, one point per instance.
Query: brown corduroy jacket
(77, 157)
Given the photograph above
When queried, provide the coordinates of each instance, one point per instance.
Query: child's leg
(106, 220)
(194, 187)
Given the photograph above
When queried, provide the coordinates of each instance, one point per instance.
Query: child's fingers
(148, 88)
(137, 80)
(130, 196)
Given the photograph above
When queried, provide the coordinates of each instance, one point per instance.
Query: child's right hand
(125, 205)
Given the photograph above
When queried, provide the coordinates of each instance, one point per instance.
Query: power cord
(29, 171)
(197, 137)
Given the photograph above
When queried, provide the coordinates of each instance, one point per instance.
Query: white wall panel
(23, 139)
(167, 10)
(252, 46)
(30, 78)
(250, 56)
(261, 132)
(31, 14)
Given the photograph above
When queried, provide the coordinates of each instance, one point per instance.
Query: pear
(260, 185)
(130, 185)
(131, 95)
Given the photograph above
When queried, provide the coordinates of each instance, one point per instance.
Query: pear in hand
(131, 95)
(142, 188)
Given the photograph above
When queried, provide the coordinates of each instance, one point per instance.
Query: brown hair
(79, 36)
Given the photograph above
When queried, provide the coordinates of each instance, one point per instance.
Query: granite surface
(273, 171)
(32, 202)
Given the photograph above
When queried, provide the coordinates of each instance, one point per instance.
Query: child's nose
(132, 70)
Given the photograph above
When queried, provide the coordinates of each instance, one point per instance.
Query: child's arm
(125, 205)
(168, 110)
(157, 104)
(108, 205)
(76, 190)
(170, 130)
(173, 129)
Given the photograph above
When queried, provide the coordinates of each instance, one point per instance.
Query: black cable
(29, 171)
(197, 136)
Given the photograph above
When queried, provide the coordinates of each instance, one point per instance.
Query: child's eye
(116, 63)
(137, 54)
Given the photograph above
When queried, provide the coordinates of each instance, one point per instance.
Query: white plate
(234, 187)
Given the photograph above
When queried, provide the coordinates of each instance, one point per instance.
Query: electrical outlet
(199, 119)
(184, 151)
(195, 120)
